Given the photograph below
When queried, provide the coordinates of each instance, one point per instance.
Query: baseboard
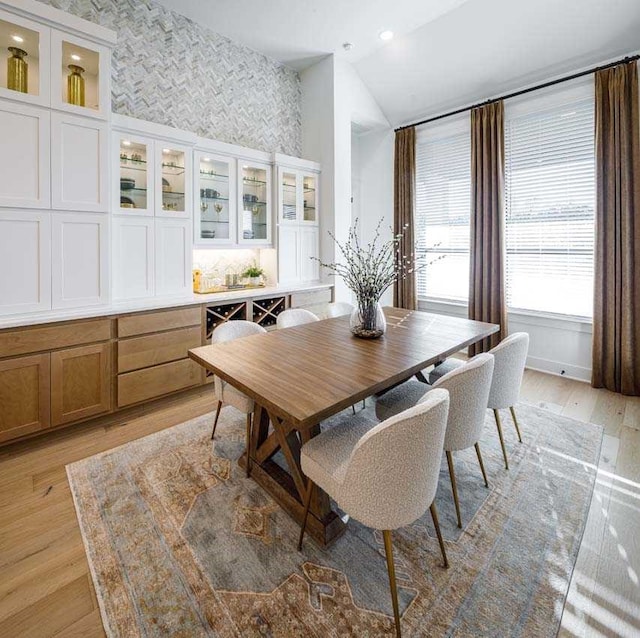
(560, 369)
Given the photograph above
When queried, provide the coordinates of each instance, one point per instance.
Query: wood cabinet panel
(142, 385)
(152, 350)
(310, 298)
(80, 382)
(24, 340)
(24, 396)
(145, 323)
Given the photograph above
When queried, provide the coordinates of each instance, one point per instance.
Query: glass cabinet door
(215, 204)
(24, 72)
(310, 198)
(173, 165)
(135, 182)
(255, 202)
(288, 195)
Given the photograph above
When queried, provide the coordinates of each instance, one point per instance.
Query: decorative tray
(208, 291)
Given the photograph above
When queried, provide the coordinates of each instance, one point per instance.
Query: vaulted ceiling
(445, 53)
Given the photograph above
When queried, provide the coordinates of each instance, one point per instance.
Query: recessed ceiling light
(347, 46)
(385, 35)
(166, 150)
(17, 38)
(76, 57)
(245, 166)
(206, 159)
(126, 143)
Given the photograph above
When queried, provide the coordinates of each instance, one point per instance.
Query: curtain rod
(630, 58)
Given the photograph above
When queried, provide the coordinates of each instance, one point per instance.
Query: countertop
(152, 303)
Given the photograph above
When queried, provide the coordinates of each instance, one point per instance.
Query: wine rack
(220, 313)
(266, 311)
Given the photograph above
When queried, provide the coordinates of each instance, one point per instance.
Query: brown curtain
(486, 282)
(616, 317)
(404, 173)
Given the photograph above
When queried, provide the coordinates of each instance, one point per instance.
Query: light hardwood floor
(46, 588)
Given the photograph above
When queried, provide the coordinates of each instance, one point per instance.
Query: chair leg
(353, 407)
(504, 449)
(215, 422)
(307, 504)
(436, 524)
(388, 549)
(248, 452)
(454, 487)
(515, 422)
(484, 474)
(364, 405)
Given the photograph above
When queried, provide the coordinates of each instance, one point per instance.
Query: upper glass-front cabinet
(215, 214)
(24, 59)
(80, 75)
(298, 196)
(254, 201)
(173, 185)
(134, 167)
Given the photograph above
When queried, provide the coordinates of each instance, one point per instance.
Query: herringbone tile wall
(170, 70)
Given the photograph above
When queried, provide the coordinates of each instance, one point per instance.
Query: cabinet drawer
(152, 350)
(142, 385)
(310, 298)
(144, 323)
(25, 340)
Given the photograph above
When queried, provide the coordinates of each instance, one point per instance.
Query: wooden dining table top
(309, 372)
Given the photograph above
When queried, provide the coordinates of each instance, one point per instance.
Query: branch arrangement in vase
(368, 271)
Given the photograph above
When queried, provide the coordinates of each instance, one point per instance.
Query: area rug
(180, 543)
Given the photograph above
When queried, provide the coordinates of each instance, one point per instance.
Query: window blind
(549, 204)
(443, 201)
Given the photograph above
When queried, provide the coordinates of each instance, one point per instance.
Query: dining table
(302, 375)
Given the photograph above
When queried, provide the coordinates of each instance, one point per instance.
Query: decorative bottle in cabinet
(17, 70)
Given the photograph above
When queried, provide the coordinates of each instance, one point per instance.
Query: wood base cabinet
(80, 382)
(24, 396)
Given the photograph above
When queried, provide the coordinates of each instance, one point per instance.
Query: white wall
(334, 97)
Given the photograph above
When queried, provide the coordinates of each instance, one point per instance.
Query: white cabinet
(25, 258)
(133, 257)
(133, 174)
(80, 245)
(24, 160)
(288, 254)
(215, 197)
(173, 257)
(297, 247)
(79, 163)
(309, 252)
(297, 196)
(254, 203)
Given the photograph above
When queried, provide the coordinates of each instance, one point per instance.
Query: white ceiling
(485, 48)
(300, 32)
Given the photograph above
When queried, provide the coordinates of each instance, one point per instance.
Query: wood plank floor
(46, 588)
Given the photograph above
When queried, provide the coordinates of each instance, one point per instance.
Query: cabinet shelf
(205, 175)
(214, 199)
(133, 167)
(168, 169)
(253, 182)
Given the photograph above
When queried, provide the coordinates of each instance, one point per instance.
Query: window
(443, 201)
(549, 203)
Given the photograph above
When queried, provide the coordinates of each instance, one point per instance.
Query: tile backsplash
(169, 70)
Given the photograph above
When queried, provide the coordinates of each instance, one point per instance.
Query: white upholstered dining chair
(468, 388)
(295, 317)
(384, 475)
(510, 357)
(339, 309)
(225, 392)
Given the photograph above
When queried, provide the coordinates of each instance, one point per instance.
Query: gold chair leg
(307, 504)
(248, 452)
(484, 474)
(515, 422)
(504, 449)
(215, 422)
(454, 487)
(436, 524)
(388, 549)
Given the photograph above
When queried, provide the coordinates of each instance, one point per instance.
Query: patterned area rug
(180, 543)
